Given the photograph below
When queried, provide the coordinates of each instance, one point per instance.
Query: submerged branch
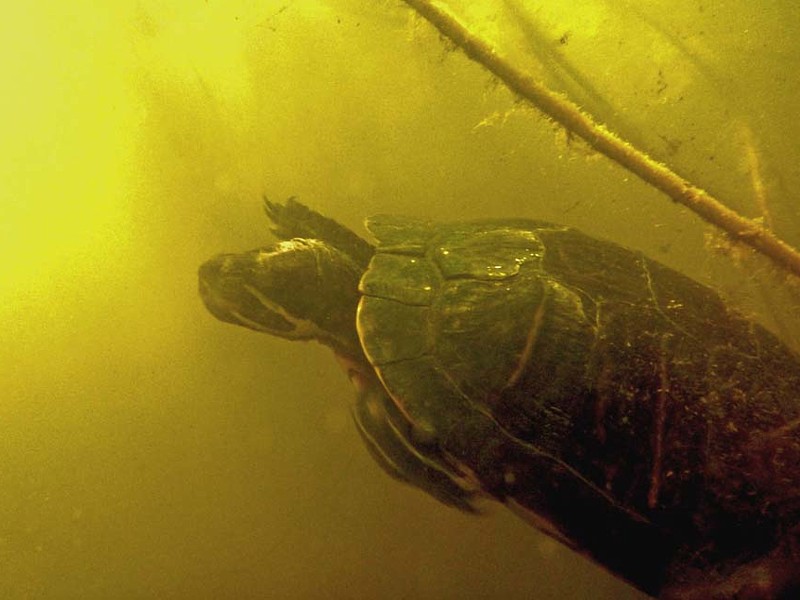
(570, 116)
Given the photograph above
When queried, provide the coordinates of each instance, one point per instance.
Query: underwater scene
(182, 178)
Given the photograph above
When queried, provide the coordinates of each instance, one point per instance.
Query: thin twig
(754, 169)
(570, 116)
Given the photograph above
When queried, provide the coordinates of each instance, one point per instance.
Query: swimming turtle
(616, 404)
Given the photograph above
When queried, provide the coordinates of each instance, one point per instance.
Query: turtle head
(300, 289)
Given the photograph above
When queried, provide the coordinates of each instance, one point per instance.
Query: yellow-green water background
(149, 451)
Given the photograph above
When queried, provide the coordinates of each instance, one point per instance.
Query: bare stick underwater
(577, 121)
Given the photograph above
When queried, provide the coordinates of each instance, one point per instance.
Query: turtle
(614, 403)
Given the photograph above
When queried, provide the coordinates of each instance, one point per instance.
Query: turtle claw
(294, 219)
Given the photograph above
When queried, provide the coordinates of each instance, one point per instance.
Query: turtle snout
(213, 279)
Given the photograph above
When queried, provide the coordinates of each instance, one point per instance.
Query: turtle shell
(618, 403)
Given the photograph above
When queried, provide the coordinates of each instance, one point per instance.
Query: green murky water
(151, 452)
